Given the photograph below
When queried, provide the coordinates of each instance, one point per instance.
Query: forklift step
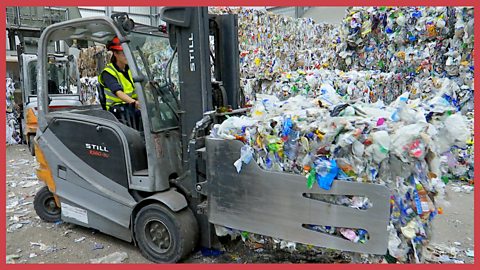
(143, 172)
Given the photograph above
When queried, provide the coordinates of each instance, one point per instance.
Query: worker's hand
(137, 105)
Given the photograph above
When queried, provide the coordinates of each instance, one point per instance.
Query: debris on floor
(97, 246)
(462, 188)
(12, 257)
(442, 254)
(79, 239)
(116, 257)
(470, 253)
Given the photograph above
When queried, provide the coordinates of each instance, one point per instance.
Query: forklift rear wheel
(45, 206)
(31, 144)
(164, 236)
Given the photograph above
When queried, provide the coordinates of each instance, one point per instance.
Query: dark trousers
(127, 114)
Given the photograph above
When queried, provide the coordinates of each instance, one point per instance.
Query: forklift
(60, 90)
(166, 186)
(26, 24)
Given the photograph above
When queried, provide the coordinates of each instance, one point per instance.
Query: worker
(119, 89)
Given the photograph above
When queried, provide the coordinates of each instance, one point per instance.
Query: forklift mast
(189, 32)
(224, 29)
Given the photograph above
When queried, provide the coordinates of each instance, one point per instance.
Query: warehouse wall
(149, 15)
(295, 12)
(142, 15)
(326, 14)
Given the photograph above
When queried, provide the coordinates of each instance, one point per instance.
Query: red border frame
(6, 3)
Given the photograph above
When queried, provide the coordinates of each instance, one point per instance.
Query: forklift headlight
(128, 25)
(122, 20)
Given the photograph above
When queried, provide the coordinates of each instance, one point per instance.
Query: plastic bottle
(291, 146)
(311, 178)
(269, 160)
(400, 103)
(362, 236)
(426, 204)
(407, 212)
(287, 127)
(418, 202)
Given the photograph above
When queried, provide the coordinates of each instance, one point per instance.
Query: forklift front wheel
(45, 207)
(164, 236)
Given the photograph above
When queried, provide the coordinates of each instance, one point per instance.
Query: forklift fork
(280, 205)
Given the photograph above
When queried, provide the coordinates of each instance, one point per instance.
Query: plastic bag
(328, 95)
(229, 128)
(454, 132)
(326, 170)
(381, 140)
(246, 155)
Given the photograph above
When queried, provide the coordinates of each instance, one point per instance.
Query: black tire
(31, 144)
(45, 207)
(178, 233)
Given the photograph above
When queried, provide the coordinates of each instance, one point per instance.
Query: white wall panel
(287, 11)
(120, 9)
(91, 13)
(140, 10)
(138, 14)
(92, 8)
(333, 15)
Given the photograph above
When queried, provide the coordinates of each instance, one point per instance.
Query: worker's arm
(126, 98)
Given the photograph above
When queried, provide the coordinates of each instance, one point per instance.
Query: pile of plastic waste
(157, 53)
(370, 56)
(90, 59)
(327, 140)
(419, 41)
(420, 44)
(458, 163)
(366, 86)
(13, 135)
(388, 100)
(271, 44)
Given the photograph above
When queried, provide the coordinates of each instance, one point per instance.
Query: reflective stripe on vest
(128, 88)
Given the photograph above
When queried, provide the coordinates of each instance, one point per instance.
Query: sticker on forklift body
(75, 213)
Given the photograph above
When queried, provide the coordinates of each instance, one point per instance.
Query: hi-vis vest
(128, 88)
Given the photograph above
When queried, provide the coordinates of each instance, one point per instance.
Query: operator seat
(101, 96)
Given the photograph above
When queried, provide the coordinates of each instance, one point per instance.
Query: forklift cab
(141, 45)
